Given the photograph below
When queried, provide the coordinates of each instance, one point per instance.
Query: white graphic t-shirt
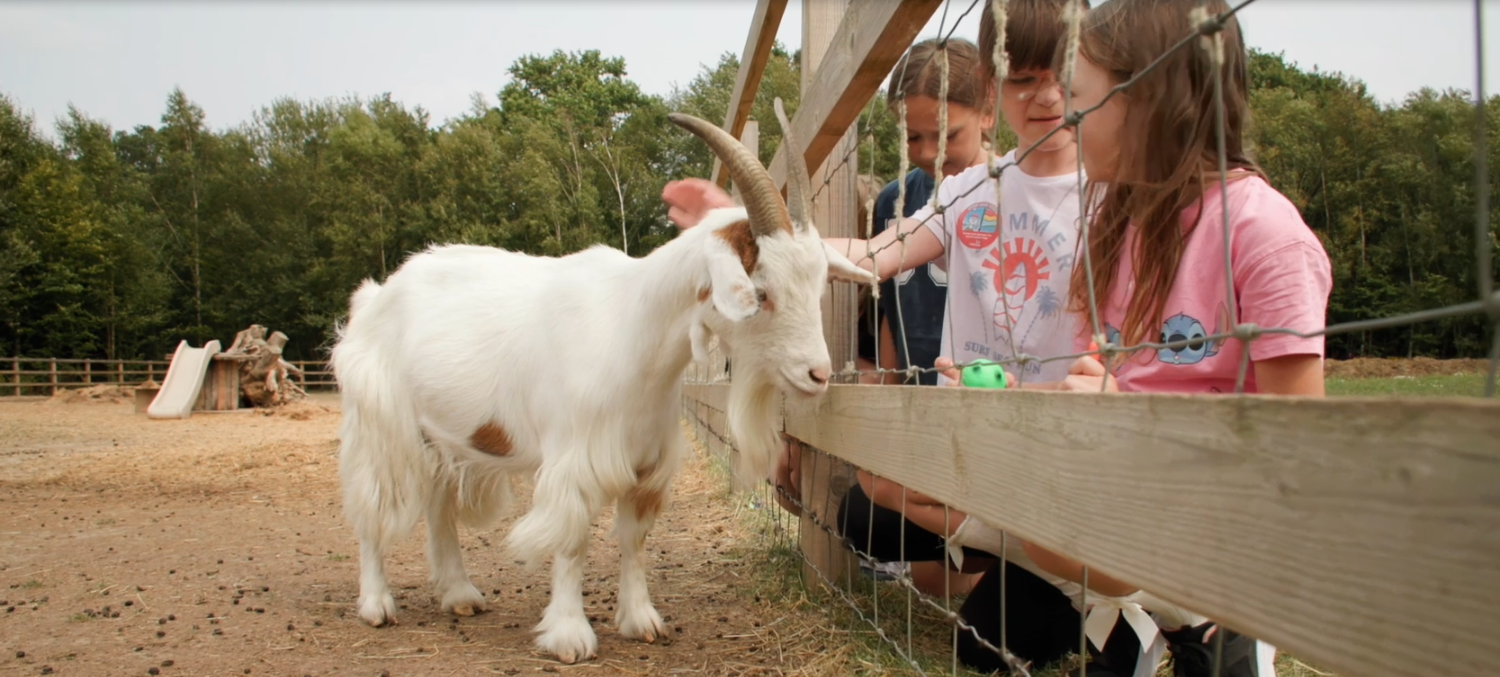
(1008, 268)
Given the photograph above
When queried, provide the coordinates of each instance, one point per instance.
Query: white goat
(471, 364)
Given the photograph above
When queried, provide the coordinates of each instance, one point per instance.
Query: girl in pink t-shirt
(1157, 244)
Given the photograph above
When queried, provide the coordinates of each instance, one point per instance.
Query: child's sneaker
(883, 571)
(1193, 653)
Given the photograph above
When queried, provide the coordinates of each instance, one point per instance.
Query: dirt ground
(1374, 367)
(214, 546)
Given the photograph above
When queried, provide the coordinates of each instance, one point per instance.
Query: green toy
(984, 374)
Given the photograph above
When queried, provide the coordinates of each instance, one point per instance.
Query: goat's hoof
(570, 639)
(378, 610)
(466, 600)
(642, 623)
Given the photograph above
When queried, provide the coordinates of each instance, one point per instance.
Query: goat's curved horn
(762, 200)
(798, 187)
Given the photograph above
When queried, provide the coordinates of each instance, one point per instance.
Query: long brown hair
(1168, 147)
(920, 73)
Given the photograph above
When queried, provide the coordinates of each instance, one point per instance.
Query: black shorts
(1040, 622)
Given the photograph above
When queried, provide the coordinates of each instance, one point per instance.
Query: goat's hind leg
(376, 605)
(377, 524)
(445, 557)
(634, 515)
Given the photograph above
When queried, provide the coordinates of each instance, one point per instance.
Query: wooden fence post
(15, 373)
(120, 373)
(834, 214)
(52, 373)
(88, 372)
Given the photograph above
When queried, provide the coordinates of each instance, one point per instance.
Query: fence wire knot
(1210, 28)
(1207, 25)
(1248, 331)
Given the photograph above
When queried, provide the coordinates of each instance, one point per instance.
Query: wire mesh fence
(858, 581)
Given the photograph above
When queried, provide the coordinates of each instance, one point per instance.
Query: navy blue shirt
(923, 290)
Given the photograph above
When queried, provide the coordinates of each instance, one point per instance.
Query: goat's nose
(818, 375)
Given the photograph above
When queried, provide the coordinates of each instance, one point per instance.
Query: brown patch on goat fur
(646, 501)
(704, 293)
(741, 239)
(492, 439)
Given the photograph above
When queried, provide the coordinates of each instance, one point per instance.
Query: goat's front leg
(634, 516)
(564, 629)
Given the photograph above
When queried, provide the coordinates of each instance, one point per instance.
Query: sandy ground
(214, 546)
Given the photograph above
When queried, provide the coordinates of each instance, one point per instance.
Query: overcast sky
(118, 60)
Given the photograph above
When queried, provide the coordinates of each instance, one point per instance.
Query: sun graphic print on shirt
(1018, 278)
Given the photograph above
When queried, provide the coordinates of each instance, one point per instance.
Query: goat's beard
(754, 402)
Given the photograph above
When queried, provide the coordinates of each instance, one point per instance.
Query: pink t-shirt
(1281, 280)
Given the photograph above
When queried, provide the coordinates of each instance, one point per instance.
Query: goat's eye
(766, 303)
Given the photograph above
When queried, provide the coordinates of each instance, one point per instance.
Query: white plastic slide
(179, 390)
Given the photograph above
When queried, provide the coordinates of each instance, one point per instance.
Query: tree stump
(265, 378)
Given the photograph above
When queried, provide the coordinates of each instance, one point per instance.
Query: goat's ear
(841, 268)
(733, 293)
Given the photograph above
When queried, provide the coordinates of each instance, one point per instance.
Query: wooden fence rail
(1355, 533)
(45, 376)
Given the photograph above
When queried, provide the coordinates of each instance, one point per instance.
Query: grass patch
(336, 557)
(33, 583)
(1453, 385)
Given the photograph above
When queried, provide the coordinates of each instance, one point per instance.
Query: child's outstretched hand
(1088, 375)
(950, 372)
(689, 200)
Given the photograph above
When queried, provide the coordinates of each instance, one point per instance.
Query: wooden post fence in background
(46, 376)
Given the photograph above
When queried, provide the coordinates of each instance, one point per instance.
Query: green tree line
(117, 244)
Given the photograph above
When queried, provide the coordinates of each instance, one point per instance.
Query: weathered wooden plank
(715, 396)
(1361, 534)
(825, 41)
(869, 41)
(825, 481)
(221, 387)
(758, 43)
